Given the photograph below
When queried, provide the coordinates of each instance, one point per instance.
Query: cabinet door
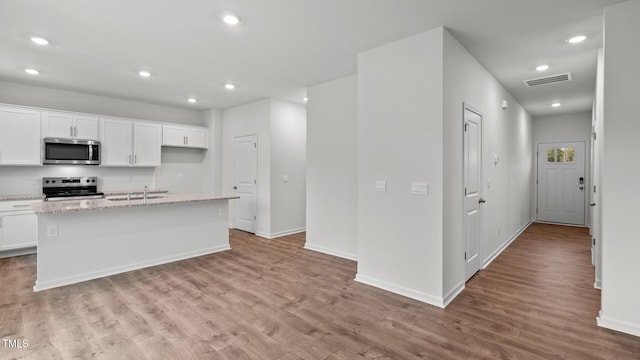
(116, 139)
(173, 136)
(20, 140)
(196, 138)
(18, 231)
(86, 127)
(56, 124)
(147, 139)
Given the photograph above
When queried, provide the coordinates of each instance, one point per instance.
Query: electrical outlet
(52, 231)
(221, 212)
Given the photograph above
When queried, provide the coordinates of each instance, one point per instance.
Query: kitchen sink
(136, 197)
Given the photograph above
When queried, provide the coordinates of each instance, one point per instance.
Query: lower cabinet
(18, 226)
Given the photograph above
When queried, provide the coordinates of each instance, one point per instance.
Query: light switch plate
(419, 188)
(381, 186)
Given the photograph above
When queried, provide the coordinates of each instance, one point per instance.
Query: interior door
(472, 128)
(245, 185)
(561, 182)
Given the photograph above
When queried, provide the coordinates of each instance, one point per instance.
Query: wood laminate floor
(271, 299)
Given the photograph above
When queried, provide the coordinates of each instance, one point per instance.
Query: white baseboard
(618, 325)
(453, 293)
(333, 252)
(598, 284)
(18, 252)
(281, 233)
(511, 239)
(44, 285)
(401, 290)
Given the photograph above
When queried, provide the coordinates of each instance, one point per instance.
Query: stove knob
(46, 181)
(94, 180)
(53, 181)
(88, 180)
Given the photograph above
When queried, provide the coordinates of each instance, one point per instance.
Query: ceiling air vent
(549, 79)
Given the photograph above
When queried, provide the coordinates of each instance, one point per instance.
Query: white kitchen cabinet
(20, 142)
(69, 125)
(184, 136)
(127, 143)
(18, 225)
(147, 139)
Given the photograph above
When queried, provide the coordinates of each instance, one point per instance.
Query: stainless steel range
(70, 188)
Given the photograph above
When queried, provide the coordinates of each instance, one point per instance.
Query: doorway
(561, 183)
(245, 182)
(472, 162)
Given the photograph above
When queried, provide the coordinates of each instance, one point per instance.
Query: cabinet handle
(135, 159)
(130, 159)
(75, 131)
(71, 131)
(186, 142)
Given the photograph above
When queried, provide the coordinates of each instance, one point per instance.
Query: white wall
(566, 127)
(621, 171)
(332, 168)
(506, 186)
(181, 170)
(252, 118)
(212, 163)
(596, 180)
(400, 141)
(27, 95)
(288, 158)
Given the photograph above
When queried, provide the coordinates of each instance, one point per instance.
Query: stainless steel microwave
(70, 151)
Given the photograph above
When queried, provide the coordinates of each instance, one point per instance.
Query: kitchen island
(88, 239)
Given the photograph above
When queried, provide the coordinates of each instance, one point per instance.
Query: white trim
(281, 233)
(400, 290)
(332, 252)
(618, 325)
(453, 293)
(499, 251)
(18, 252)
(598, 284)
(44, 285)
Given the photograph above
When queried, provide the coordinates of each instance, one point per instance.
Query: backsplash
(28, 180)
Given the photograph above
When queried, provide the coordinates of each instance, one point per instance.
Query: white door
(561, 182)
(472, 189)
(245, 183)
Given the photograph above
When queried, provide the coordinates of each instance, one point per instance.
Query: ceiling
(281, 47)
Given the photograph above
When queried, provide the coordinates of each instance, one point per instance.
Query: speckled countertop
(106, 193)
(20, 197)
(52, 207)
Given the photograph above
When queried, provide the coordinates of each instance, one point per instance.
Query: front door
(561, 182)
(472, 128)
(245, 182)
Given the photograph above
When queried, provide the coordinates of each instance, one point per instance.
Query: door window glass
(561, 155)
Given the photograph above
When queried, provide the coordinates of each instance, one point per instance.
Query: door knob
(235, 188)
(482, 201)
(581, 188)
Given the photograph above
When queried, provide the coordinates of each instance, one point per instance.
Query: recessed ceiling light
(32, 71)
(577, 39)
(305, 99)
(40, 41)
(556, 104)
(192, 100)
(542, 67)
(229, 86)
(231, 19)
(144, 73)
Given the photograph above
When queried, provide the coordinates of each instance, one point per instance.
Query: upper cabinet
(69, 125)
(20, 141)
(184, 136)
(127, 143)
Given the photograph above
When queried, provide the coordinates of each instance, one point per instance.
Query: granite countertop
(106, 193)
(52, 207)
(20, 197)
